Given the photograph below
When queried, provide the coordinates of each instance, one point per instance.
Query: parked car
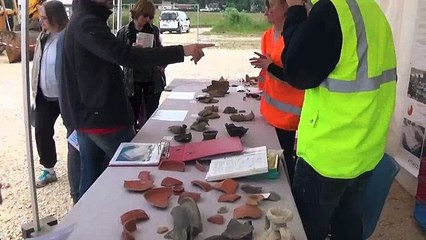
(171, 21)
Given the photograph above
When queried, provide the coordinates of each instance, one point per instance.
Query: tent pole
(27, 107)
(119, 14)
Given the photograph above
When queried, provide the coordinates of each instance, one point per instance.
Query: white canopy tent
(400, 14)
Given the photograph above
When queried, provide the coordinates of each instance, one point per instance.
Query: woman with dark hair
(46, 75)
(143, 85)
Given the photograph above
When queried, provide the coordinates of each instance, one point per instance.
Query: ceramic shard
(229, 110)
(172, 166)
(159, 197)
(203, 185)
(242, 117)
(183, 138)
(186, 220)
(235, 131)
(249, 189)
(178, 129)
(208, 135)
(145, 176)
(200, 167)
(195, 196)
(170, 182)
(247, 211)
(138, 185)
(229, 197)
(216, 219)
(226, 186)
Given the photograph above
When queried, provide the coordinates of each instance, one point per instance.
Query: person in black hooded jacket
(92, 92)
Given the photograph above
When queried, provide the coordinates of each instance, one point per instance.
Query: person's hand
(291, 3)
(195, 51)
(261, 61)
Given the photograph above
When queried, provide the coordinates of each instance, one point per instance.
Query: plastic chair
(377, 190)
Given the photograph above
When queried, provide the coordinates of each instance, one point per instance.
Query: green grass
(247, 23)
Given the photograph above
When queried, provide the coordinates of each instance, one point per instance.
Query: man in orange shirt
(281, 103)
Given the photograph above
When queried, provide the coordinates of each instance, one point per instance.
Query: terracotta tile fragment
(203, 185)
(229, 197)
(138, 185)
(170, 182)
(250, 189)
(159, 197)
(226, 186)
(128, 228)
(247, 211)
(178, 189)
(172, 166)
(195, 196)
(216, 219)
(254, 200)
(200, 167)
(134, 215)
(145, 176)
(162, 230)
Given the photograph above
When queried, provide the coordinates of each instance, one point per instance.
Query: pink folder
(203, 149)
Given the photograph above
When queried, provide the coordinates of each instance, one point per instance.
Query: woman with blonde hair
(143, 85)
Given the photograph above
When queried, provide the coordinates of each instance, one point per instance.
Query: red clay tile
(254, 200)
(216, 219)
(172, 166)
(134, 215)
(170, 182)
(203, 185)
(159, 197)
(145, 176)
(138, 185)
(195, 196)
(228, 197)
(247, 211)
(226, 186)
(178, 189)
(200, 167)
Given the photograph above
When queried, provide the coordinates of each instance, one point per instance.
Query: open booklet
(251, 161)
(135, 154)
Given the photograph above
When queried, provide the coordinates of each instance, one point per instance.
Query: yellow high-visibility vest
(344, 123)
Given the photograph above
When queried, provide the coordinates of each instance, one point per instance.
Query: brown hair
(56, 14)
(142, 7)
(267, 4)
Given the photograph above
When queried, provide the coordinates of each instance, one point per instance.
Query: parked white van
(171, 20)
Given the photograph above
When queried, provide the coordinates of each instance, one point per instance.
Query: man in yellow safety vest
(343, 54)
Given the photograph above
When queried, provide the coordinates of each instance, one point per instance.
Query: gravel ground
(228, 59)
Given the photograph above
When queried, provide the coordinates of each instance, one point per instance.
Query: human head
(53, 16)
(143, 12)
(106, 3)
(267, 9)
(277, 11)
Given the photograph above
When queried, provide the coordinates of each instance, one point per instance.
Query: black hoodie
(92, 89)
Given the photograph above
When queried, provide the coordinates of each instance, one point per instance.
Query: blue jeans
(74, 168)
(96, 150)
(327, 204)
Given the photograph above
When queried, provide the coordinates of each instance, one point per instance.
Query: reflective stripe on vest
(282, 106)
(362, 83)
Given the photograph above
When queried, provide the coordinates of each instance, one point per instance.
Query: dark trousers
(96, 150)
(46, 114)
(326, 204)
(286, 139)
(144, 102)
(74, 169)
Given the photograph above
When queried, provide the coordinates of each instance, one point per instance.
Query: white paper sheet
(181, 95)
(72, 139)
(170, 115)
(251, 161)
